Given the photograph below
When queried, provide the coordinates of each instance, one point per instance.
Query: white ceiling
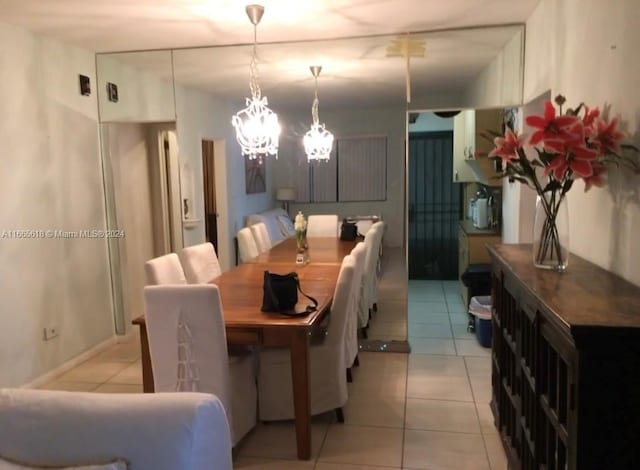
(119, 25)
(355, 71)
(347, 37)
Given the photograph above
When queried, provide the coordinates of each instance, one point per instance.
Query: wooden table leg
(147, 372)
(301, 393)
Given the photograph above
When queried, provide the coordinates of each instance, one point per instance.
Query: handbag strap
(309, 308)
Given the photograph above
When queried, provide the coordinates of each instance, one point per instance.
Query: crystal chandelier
(257, 127)
(318, 141)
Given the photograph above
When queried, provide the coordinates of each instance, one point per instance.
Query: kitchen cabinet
(472, 249)
(468, 144)
(462, 172)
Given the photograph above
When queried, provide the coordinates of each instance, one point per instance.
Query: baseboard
(71, 363)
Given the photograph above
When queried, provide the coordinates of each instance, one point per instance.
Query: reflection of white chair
(188, 349)
(322, 226)
(372, 243)
(328, 383)
(261, 236)
(351, 336)
(247, 247)
(200, 263)
(164, 270)
(163, 431)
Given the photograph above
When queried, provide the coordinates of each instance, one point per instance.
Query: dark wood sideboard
(565, 364)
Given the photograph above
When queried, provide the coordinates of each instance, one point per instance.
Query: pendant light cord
(253, 68)
(314, 107)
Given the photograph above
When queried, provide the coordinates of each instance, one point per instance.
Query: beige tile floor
(424, 410)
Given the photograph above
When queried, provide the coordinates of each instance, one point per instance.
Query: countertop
(470, 230)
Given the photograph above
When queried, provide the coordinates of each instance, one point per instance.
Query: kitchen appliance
(480, 214)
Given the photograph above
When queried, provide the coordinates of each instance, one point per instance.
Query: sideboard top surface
(583, 296)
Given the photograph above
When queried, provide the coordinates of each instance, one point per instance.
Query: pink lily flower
(589, 120)
(550, 126)
(506, 147)
(608, 137)
(596, 179)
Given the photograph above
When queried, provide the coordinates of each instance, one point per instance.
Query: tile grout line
(475, 407)
(404, 421)
(455, 346)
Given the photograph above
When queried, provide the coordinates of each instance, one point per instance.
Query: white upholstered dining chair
(369, 280)
(328, 381)
(322, 225)
(188, 347)
(164, 270)
(261, 236)
(200, 263)
(247, 247)
(351, 334)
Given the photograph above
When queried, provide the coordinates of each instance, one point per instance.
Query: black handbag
(348, 231)
(280, 294)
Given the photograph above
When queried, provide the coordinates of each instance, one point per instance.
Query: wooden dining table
(322, 250)
(241, 295)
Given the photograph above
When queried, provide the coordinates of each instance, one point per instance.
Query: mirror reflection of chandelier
(257, 127)
(318, 141)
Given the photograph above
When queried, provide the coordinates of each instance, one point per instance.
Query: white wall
(203, 116)
(429, 122)
(500, 83)
(142, 96)
(587, 50)
(51, 179)
(390, 122)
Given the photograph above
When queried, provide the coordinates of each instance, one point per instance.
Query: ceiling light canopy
(257, 127)
(318, 141)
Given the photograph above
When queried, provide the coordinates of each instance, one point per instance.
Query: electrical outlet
(50, 332)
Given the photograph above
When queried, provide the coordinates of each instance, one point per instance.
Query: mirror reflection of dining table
(241, 296)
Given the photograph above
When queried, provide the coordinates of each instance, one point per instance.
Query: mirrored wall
(365, 89)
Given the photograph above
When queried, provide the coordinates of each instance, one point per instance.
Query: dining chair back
(247, 247)
(200, 263)
(261, 236)
(164, 270)
(322, 226)
(188, 347)
(351, 334)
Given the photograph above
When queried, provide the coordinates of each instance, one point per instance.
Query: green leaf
(630, 147)
(567, 185)
(521, 180)
(552, 185)
(575, 112)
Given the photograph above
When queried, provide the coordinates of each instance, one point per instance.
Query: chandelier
(318, 141)
(257, 127)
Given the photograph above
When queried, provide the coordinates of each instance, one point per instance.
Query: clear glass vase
(551, 232)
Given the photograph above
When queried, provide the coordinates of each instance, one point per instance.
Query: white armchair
(164, 270)
(328, 382)
(322, 226)
(188, 347)
(200, 263)
(164, 431)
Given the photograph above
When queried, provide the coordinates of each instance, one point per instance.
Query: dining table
(241, 290)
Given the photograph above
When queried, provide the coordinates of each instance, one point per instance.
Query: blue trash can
(480, 308)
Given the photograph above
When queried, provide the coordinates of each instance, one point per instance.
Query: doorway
(143, 196)
(209, 188)
(434, 207)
